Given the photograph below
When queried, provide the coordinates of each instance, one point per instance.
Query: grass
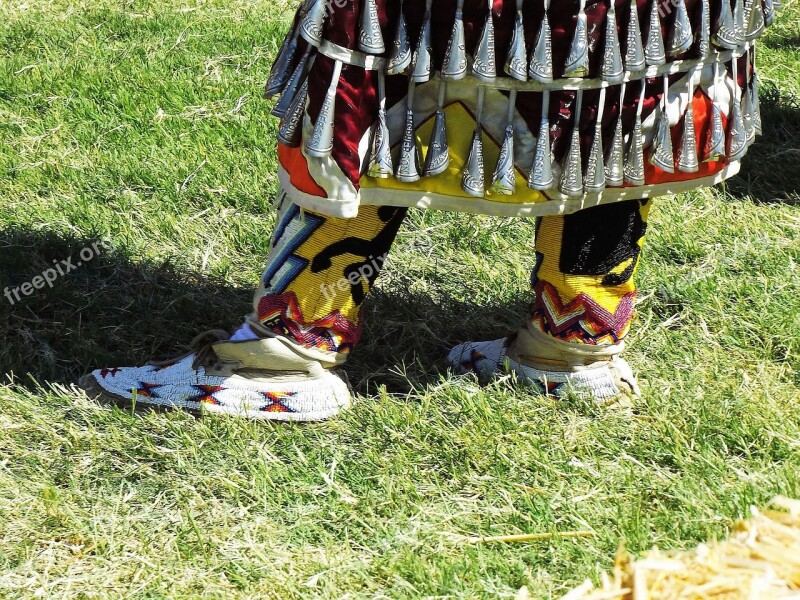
(140, 121)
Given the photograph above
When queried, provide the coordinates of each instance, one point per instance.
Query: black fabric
(374, 252)
(598, 239)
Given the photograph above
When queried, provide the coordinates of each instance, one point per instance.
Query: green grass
(141, 121)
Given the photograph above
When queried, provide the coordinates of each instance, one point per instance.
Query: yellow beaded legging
(321, 268)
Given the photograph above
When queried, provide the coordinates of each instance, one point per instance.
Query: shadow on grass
(771, 169)
(113, 311)
(110, 311)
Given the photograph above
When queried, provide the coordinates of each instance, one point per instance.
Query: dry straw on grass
(761, 560)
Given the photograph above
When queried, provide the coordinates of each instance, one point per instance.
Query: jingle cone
(662, 155)
(769, 12)
(290, 132)
(634, 157)
(682, 38)
(634, 51)
(654, 52)
(504, 179)
(517, 59)
(454, 65)
(687, 152)
(320, 143)
(612, 70)
(438, 157)
(716, 141)
(756, 21)
(472, 177)
(737, 136)
(704, 35)
(615, 162)
(400, 58)
(380, 165)
(757, 123)
(595, 179)
(541, 175)
(725, 36)
(282, 68)
(484, 67)
(540, 67)
(370, 39)
(577, 64)
(291, 87)
(421, 70)
(571, 183)
(739, 24)
(313, 22)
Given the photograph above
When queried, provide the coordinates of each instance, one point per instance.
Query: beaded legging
(321, 269)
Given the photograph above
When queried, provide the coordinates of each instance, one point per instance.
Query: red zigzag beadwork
(582, 319)
(282, 314)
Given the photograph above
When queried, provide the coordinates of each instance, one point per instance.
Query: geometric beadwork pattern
(282, 314)
(581, 319)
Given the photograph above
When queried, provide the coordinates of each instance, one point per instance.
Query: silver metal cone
(421, 70)
(320, 143)
(408, 167)
(380, 165)
(504, 179)
(517, 59)
(747, 115)
(472, 178)
(612, 70)
(290, 132)
(595, 179)
(484, 67)
(739, 24)
(634, 157)
(704, 35)
(282, 67)
(314, 22)
(756, 20)
(541, 175)
(400, 58)
(725, 36)
(290, 89)
(634, 50)
(615, 161)
(737, 135)
(438, 157)
(654, 52)
(769, 12)
(757, 123)
(571, 183)
(715, 149)
(681, 38)
(540, 67)
(661, 154)
(577, 64)
(688, 161)
(454, 65)
(370, 38)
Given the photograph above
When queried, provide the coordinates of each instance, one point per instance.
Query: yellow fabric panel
(310, 287)
(460, 127)
(548, 242)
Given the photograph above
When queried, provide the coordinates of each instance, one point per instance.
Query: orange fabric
(293, 161)
(701, 105)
